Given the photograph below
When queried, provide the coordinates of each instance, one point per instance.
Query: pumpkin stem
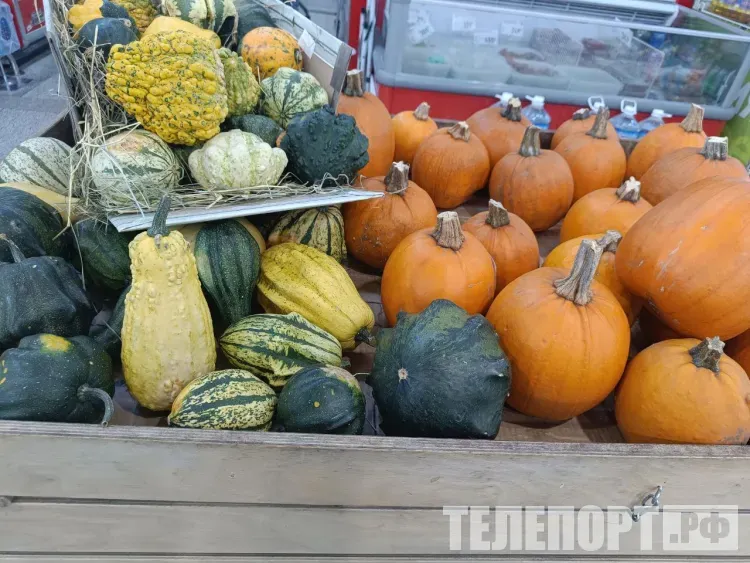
(513, 111)
(397, 180)
(448, 233)
(88, 393)
(530, 143)
(581, 114)
(708, 353)
(497, 215)
(716, 148)
(629, 191)
(15, 252)
(460, 131)
(610, 241)
(693, 122)
(159, 224)
(364, 335)
(599, 129)
(354, 85)
(577, 286)
(422, 113)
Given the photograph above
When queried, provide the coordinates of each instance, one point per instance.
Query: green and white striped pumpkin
(206, 14)
(135, 166)
(231, 399)
(321, 228)
(275, 347)
(41, 161)
(289, 92)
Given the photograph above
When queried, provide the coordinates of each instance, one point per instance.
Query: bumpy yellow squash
(167, 335)
(295, 278)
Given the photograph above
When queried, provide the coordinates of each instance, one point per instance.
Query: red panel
(355, 10)
(32, 20)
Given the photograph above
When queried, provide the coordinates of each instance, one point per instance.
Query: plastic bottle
(503, 99)
(625, 123)
(656, 119)
(536, 113)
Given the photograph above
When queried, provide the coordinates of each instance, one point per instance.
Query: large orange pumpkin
(534, 184)
(682, 167)
(373, 120)
(411, 129)
(581, 122)
(686, 392)
(450, 165)
(687, 258)
(267, 49)
(739, 350)
(509, 240)
(444, 263)
(500, 129)
(653, 330)
(666, 139)
(566, 336)
(564, 255)
(595, 161)
(374, 227)
(604, 210)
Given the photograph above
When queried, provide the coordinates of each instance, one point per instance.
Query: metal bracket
(650, 502)
(5, 501)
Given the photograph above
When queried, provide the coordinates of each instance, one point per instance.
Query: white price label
(512, 29)
(486, 38)
(306, 43)
(464, 23)
(420, 32)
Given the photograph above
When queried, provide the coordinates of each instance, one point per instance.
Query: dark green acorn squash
(112, 31)
(42, 295)
(320, 144)
(322, 400)
(251, 15)
(228, 260)
(102, 255)
(48, 378)
(265, 127)
(107, 332)
(440, 374)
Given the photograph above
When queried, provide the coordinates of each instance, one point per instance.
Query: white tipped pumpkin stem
(693, 122)
(610, 241)
(397, 180)
(716, 148)
(448, 233)
(599, 129)
(577, 286)
(354, 85)
(422, 113)
(530, 145)
(497, 216)
(581, 114)
(708, 353)
(460, 131)
(513, 111)
(629, 191)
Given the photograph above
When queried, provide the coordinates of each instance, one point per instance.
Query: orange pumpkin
(509, 240)
(666, 139)
(566, 336)
(444, 263)
(604, 210)
(581, 122)
(595, 161)
(682, 167)
(411, 129)
(687, 258)
(374, 227)
(450, 165)
(267, 49)
(684, 392)
(739, 350)
(653, 330)
(534, 184)
(564, 255)
(373, 120)
(500, 129)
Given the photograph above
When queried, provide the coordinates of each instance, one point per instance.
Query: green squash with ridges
(275, 347)
(228, 261)
(106, 32)
(108, 333)
(322, 400)
(252, 15)
(321, 228)
(290, 92)
(243, 90)
(231, 399)
(41, 161)
(102, 255)
(265, 127)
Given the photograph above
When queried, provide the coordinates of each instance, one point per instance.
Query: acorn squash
(48, 378)
(102, 255)
(290, 92)
(64, 205)
(251, 16)
(105, 33)
(190, 232)
(108, 331)
(264, 127)
(320, 227)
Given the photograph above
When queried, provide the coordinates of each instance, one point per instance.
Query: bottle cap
(660, 113)
(537, 102)
(596, 102)
(629, 107)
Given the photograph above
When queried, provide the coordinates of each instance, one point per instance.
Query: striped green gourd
(42, 161)
(321, 228)
(275, 347)
(290, 92)
(102, 255)
(231, 399)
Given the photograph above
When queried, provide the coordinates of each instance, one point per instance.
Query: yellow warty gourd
(164, 24)
(167, 334)
(173, 83)
(295, 278)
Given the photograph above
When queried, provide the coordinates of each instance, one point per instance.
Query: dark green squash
(322, 400)
(265, 127)
(321, 144)
(111, 31)
(440, 374)
(48, 378)
(320, 227)
(42, 295)
(107, 331)
(102, 255)
(252, 15)
(228, 261)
